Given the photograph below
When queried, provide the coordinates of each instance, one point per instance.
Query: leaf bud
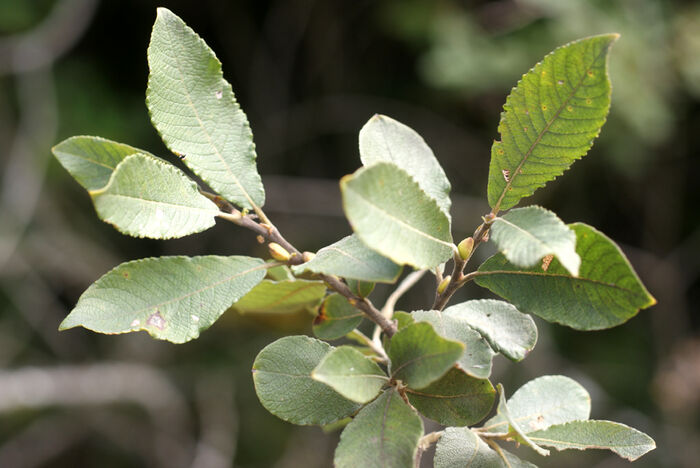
(278, 252)
(443, 284)
(308, 256)
(465, 248)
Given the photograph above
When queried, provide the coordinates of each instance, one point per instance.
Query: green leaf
(478, 355)
(384, 434)
(459, 447)
(91, 160)
(336, 318)
(350, 258)
(403, 319)
(550, 119)
(503, 411)
(543, 402)
(392, 215)
(385, 139)
(348, 372)
(454, 400)
(504, 327)
(360, 288)
(279, 273)
(277, 297)
(194, 110)
(147, 197)
(625, 441)
(172, 298)
(282, 377)
(525, 235)
(606, 293)
(419, 356)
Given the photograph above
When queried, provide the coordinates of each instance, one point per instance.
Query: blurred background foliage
(309, 74)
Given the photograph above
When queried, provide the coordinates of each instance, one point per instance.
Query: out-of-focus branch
(53, 37)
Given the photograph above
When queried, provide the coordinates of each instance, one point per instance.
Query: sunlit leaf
(147, 197)
(459, 447)
(194, 110)
(550, 119)
(503, 412)
(391, 214)
(525, 235)
(172, 298)
(350, 258)
(91, 160)
(542, 402)
(506, 329)
(625, 441)
(385, 139)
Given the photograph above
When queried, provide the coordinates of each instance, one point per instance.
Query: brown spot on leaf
(321, 317)
(156, 320)
(506, 174)
(546, 260)
(126, 274)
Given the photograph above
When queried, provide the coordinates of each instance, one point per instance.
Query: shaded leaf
(525, 235)
(282, 377)
(194, 110)
(606, 293)
(459, 447)
(172, 298)
(279, 273)
(550, 119)
(625, 441)
(456, 399)
(391, 214)
(336, 318)
(350, 373)
(478, 355)
(419, 356)
(504, 327)
(146, 197)
(91, 160)
(542, 402)
(385, 139)
(384, 434)
(360, 288)
(281, 296)
(350, 258)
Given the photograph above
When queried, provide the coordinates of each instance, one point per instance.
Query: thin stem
(372, 345)
(458, 278)
(270, 233)
(388, 310)
(361, 303)
(424, 443)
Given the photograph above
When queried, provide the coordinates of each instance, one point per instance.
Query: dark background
(309, 74)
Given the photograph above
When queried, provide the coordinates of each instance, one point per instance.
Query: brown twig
(270, 233)
(457, 279)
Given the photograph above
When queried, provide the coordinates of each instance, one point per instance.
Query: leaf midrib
(197, 291)
(399, 221)
(199, 120)
(516, 172)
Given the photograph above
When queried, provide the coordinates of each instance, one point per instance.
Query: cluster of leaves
(435, 362)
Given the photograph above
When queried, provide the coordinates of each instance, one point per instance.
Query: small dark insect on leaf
(180, 155)
(546, 260)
